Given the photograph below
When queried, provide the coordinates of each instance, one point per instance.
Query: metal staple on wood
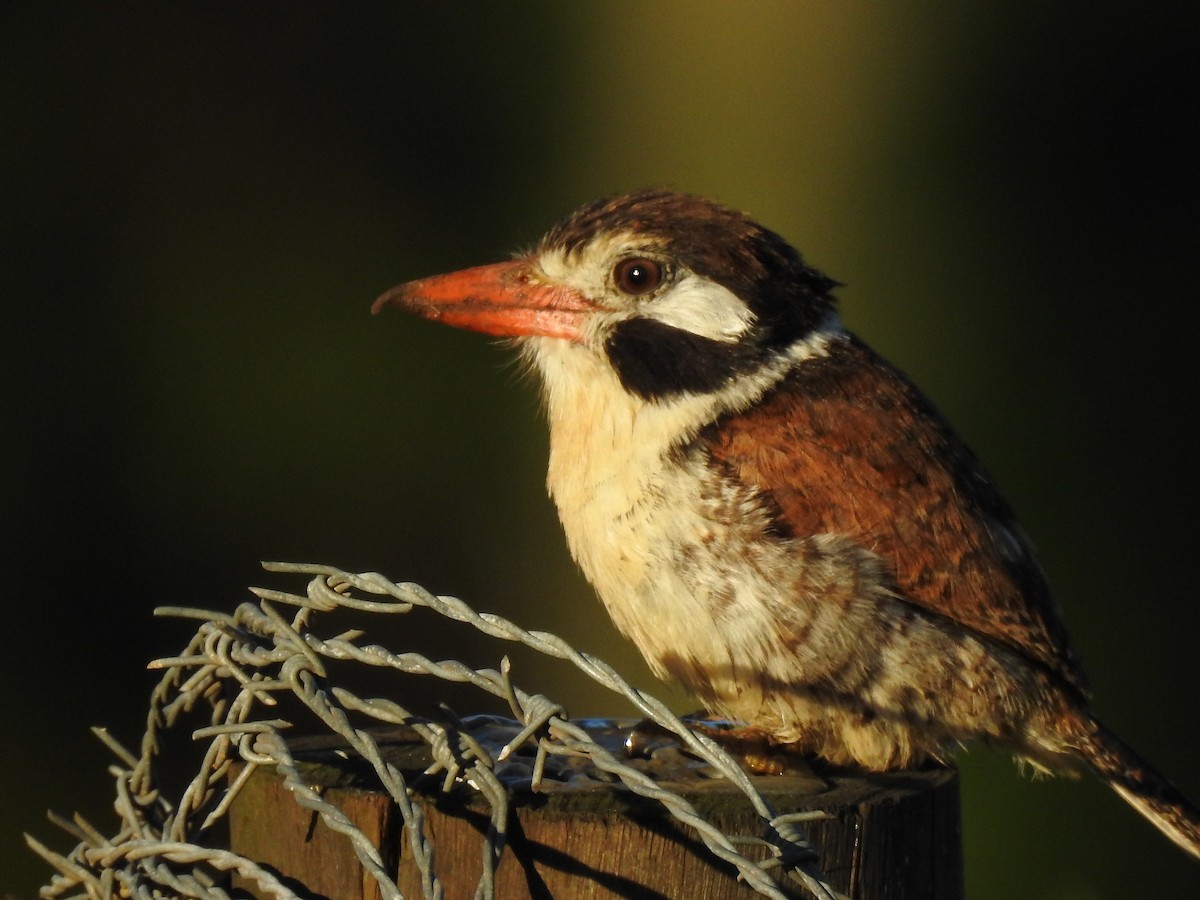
(160, 847)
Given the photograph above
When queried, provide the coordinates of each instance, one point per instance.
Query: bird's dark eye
(638, 275)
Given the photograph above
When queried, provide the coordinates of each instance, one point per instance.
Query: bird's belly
(800, 637)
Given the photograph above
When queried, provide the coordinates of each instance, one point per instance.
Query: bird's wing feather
(846, 445)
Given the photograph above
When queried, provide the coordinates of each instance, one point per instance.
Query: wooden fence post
(888, 837)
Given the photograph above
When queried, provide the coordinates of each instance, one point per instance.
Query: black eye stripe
(638, 275)
(655, 360)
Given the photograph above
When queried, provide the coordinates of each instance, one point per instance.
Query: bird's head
(677, 294)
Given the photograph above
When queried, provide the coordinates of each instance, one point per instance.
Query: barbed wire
(236, 664)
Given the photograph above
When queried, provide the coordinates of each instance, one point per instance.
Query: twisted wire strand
(229, 673)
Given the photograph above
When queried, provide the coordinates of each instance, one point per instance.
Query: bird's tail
(1142, 786)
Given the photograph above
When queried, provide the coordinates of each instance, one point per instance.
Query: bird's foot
(756, 751)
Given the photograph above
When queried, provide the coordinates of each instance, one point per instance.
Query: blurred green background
(199, 203)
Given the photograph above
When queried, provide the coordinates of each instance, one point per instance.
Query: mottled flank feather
(845, 445)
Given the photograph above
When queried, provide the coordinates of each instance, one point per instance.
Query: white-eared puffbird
(774, 515)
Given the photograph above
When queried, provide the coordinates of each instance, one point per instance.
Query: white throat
(609, 447)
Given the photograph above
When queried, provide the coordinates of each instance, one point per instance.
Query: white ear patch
(701, 307)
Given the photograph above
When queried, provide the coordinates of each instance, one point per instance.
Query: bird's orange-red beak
(505, 299)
